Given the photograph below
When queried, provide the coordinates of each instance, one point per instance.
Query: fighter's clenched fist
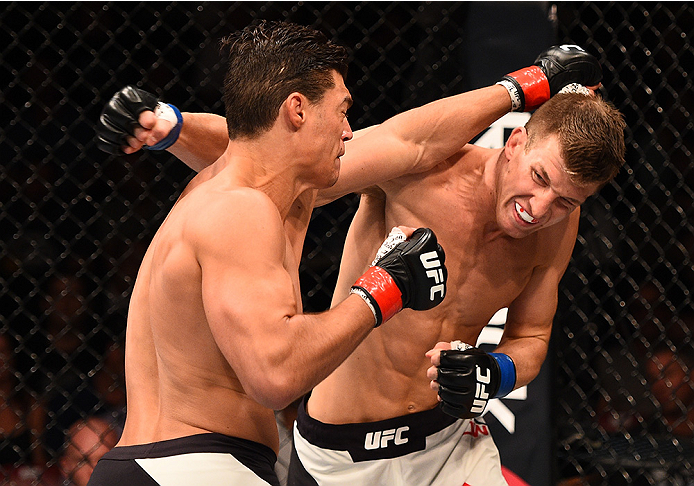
(467, 378)
(553, 70)
(120, 121)
(406, 273)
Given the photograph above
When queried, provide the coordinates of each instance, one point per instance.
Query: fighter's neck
(489, 193)
(265, 173)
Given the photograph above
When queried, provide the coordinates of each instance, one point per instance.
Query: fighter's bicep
(532, 312)
(247, 291)
(246, 298)
(375, 157)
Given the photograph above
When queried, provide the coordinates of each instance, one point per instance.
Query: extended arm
(416, 140)
(413, 141)
(409, 142)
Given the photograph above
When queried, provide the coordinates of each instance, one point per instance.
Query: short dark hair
(268, 62)
(590, 132)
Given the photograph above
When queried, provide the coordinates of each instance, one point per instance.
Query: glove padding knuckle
(459, 382)
(119, 118)
(456, 397)
(456, 369)
(454, 381)
(459, 412)
(134, 101)
(567, 64)
(417, 266)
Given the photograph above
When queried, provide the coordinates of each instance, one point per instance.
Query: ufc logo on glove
(400, 275)
(430, 261)
(481, 394)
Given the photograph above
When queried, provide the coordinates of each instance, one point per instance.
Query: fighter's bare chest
(486, 271)
(295, 233)
(483, 277)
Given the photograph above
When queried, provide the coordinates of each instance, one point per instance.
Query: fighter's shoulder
(238, 210)
(468, 160)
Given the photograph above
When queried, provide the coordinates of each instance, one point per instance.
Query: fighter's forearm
(527, 353)
(439, 127)
(203, 139)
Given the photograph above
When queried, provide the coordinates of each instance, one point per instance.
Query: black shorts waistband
(374, 440)
(207, 442)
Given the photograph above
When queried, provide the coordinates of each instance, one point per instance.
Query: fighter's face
(536, 190)
(332, 129)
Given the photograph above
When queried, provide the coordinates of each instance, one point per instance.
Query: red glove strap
(535, 86)
(381, 286)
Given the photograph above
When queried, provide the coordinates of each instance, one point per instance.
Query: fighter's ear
(295, 106)
(516, 141)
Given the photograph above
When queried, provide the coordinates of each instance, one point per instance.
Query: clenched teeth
(524, 214)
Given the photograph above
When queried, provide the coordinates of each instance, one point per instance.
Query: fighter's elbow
(275, 392)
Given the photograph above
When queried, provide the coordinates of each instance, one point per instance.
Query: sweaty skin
(210, 338)
(470, 202)
(477, 201)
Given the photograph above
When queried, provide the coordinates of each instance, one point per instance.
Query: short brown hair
(590, 131)
(268, 62)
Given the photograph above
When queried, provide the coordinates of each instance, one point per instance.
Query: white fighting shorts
(420, 449)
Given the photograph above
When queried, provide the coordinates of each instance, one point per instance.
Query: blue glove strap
(508, 374)
(171, 138)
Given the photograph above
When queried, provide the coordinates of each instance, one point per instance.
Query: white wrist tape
(165, 112)
(170, 113)
(365, 297)
(515, 92)
(576, 88)
(396, 236)
(460, 346)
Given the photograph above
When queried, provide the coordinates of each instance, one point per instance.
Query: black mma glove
(406, 273)
(469, 379)
(553, 70)
(119, 118)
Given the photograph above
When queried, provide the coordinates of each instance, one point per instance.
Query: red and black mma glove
(119, 118)
(411, 274)
(469, 379)
(553, 70)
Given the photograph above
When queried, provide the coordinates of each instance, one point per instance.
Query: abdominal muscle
(386, 375)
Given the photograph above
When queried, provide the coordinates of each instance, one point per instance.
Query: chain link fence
(75, 222)
(624, 363)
